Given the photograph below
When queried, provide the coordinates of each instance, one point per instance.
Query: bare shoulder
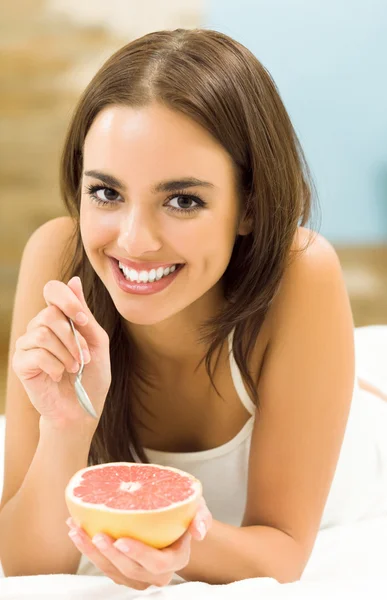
(41, 261)
(313, 263)
(311, 252)
(312, 305)
(309, 246)
(314, 267)
(44, 257)
(62, 226)
(56, 235)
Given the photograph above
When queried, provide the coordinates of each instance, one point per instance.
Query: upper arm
(305, 391)
(41, 261)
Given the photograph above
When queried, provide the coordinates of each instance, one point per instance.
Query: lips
(143, 266)
(143, 288)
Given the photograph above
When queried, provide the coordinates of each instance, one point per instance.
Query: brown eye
(185, 203)
(102, 195)
(110, 194)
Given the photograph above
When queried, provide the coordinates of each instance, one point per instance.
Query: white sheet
(347, 562)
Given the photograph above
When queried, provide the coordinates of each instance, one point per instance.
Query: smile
(144, 276)
(143, 281)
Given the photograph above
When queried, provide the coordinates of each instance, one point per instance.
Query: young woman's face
(139, 207)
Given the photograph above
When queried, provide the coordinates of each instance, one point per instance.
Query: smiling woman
(152, 222)
(219, 327)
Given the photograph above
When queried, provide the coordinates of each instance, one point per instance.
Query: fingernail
(99, 541)
(201, 527)
(122, 546)
(75, 536)
(74, 367)
(81, 318)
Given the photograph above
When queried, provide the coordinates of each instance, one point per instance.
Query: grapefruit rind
(157, 527)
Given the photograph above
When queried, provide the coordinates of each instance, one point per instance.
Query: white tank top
(225, 465)
(359, 487)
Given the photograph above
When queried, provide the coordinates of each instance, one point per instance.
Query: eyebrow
(162, 186)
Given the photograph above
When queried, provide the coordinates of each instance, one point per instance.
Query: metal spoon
(82, 396)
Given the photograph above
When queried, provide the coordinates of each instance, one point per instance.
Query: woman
(218, 327)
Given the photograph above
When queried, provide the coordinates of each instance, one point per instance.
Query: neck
(174, 343)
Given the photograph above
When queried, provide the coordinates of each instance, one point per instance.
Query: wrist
(62, 451)
(71, 431)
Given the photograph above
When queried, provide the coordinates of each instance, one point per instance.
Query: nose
(138, 233)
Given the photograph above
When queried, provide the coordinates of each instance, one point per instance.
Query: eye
(185, 203)
(102, 195)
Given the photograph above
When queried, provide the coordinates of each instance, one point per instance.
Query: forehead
(153, 140)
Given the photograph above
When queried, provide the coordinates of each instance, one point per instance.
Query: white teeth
(146, 276)
(159, 273)
(143, 276)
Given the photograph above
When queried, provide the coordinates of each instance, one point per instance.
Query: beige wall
(49, 52)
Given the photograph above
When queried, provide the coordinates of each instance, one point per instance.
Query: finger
(112, 562)
(52, 319)
(28, 365)
(61, 295)
(82, 541)
(91, 330)
(45, 339)
(201, 523)
(166, 560)
(125, 564)
(121, 569)
(70, 300)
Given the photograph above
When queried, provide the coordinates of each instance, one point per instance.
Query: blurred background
(328, 59)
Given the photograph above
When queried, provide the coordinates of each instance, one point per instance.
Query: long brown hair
(222, 86)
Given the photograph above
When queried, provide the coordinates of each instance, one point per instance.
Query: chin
(144, 317)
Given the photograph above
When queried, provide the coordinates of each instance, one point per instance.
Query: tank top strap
(237, 378)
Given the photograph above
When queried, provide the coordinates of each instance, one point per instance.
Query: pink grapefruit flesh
(148, 502)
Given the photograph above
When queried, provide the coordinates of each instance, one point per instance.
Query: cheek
(212, 227)
(220, 232)
(97, 227)
(206, 244)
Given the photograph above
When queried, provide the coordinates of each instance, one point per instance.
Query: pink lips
(142, 288)
(139, 266)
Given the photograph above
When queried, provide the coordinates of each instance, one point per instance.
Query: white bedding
(348, 562)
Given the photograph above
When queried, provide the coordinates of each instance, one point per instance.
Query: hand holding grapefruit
(147, 502)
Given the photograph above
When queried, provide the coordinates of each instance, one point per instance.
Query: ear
(245, 226)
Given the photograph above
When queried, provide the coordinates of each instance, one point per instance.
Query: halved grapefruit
(147, 502)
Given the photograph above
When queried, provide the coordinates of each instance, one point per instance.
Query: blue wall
(329, 61)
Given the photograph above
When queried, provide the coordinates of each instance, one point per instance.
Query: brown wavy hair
(221, 85)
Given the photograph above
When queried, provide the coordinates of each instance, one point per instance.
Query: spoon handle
(82, 396)
(79, 374)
